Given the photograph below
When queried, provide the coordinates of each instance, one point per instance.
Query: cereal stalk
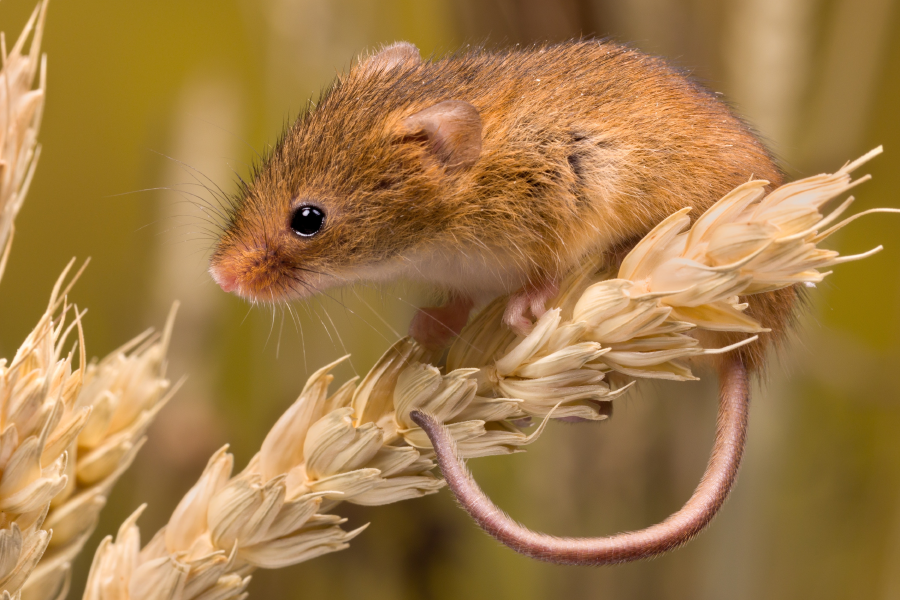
(123, 392)
(39, 420)
(21, 108)
(66, 434)
(359, 445)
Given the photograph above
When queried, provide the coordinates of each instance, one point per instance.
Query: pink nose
(226, 281)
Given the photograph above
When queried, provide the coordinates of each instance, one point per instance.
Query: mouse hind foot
(529, 302)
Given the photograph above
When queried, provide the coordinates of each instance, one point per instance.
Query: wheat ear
(58, 458)
(359, 444)
(21, 108)
(123, 392)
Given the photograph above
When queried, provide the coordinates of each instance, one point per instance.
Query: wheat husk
(21, 109)
(358, 444)
(66, 433)
(123, 393)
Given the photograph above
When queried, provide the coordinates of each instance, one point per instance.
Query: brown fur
(585, 146)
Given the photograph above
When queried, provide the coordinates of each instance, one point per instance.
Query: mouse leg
(434, 326)
(530, 299)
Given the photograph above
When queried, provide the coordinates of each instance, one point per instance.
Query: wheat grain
(66, 434)
(21, 108)
(359, 445)
(123, 392)
(39, 420)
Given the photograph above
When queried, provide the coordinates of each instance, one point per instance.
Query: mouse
(497, 172)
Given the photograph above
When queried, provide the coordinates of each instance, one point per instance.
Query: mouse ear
(395, 55)
(452, 129)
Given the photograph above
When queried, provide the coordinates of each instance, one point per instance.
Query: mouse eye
(307, 220)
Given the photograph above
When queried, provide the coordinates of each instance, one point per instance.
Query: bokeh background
(167, 94)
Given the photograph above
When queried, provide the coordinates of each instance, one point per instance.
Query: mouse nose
(226, 281)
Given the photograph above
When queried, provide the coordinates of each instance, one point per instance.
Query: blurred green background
(149, 94)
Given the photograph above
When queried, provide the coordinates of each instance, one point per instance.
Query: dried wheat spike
(21, 108)
(361, 443)
(123, 392)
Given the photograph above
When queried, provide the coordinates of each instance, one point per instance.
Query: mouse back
(484, 170)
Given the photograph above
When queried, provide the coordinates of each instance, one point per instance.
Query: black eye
(307, 221)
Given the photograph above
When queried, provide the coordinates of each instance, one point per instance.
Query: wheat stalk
(359, 445)
(37, 388)
(124, 392)
(21, 108)
(66, 434)
(674, 282)
(38, 421)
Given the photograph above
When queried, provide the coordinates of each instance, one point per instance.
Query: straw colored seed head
(358, 444)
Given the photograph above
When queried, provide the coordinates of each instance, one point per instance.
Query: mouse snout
(227, 281)
(254, 273)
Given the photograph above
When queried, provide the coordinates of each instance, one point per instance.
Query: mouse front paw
(528, 303)
(435, 326)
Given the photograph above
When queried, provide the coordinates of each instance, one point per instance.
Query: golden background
(170, 93)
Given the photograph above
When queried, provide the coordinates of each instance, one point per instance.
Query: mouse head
(362, 178)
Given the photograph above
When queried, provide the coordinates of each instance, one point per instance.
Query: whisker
(280, 331)
(376, 313)
(252, 305)
(271, 327)
(195, 173)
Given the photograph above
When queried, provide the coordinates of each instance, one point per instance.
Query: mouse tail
(679, 528)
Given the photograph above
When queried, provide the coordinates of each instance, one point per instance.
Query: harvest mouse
(488, 173)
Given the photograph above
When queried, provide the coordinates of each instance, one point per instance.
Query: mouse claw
(531, 299)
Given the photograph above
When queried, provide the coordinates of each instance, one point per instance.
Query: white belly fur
(480, 274)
